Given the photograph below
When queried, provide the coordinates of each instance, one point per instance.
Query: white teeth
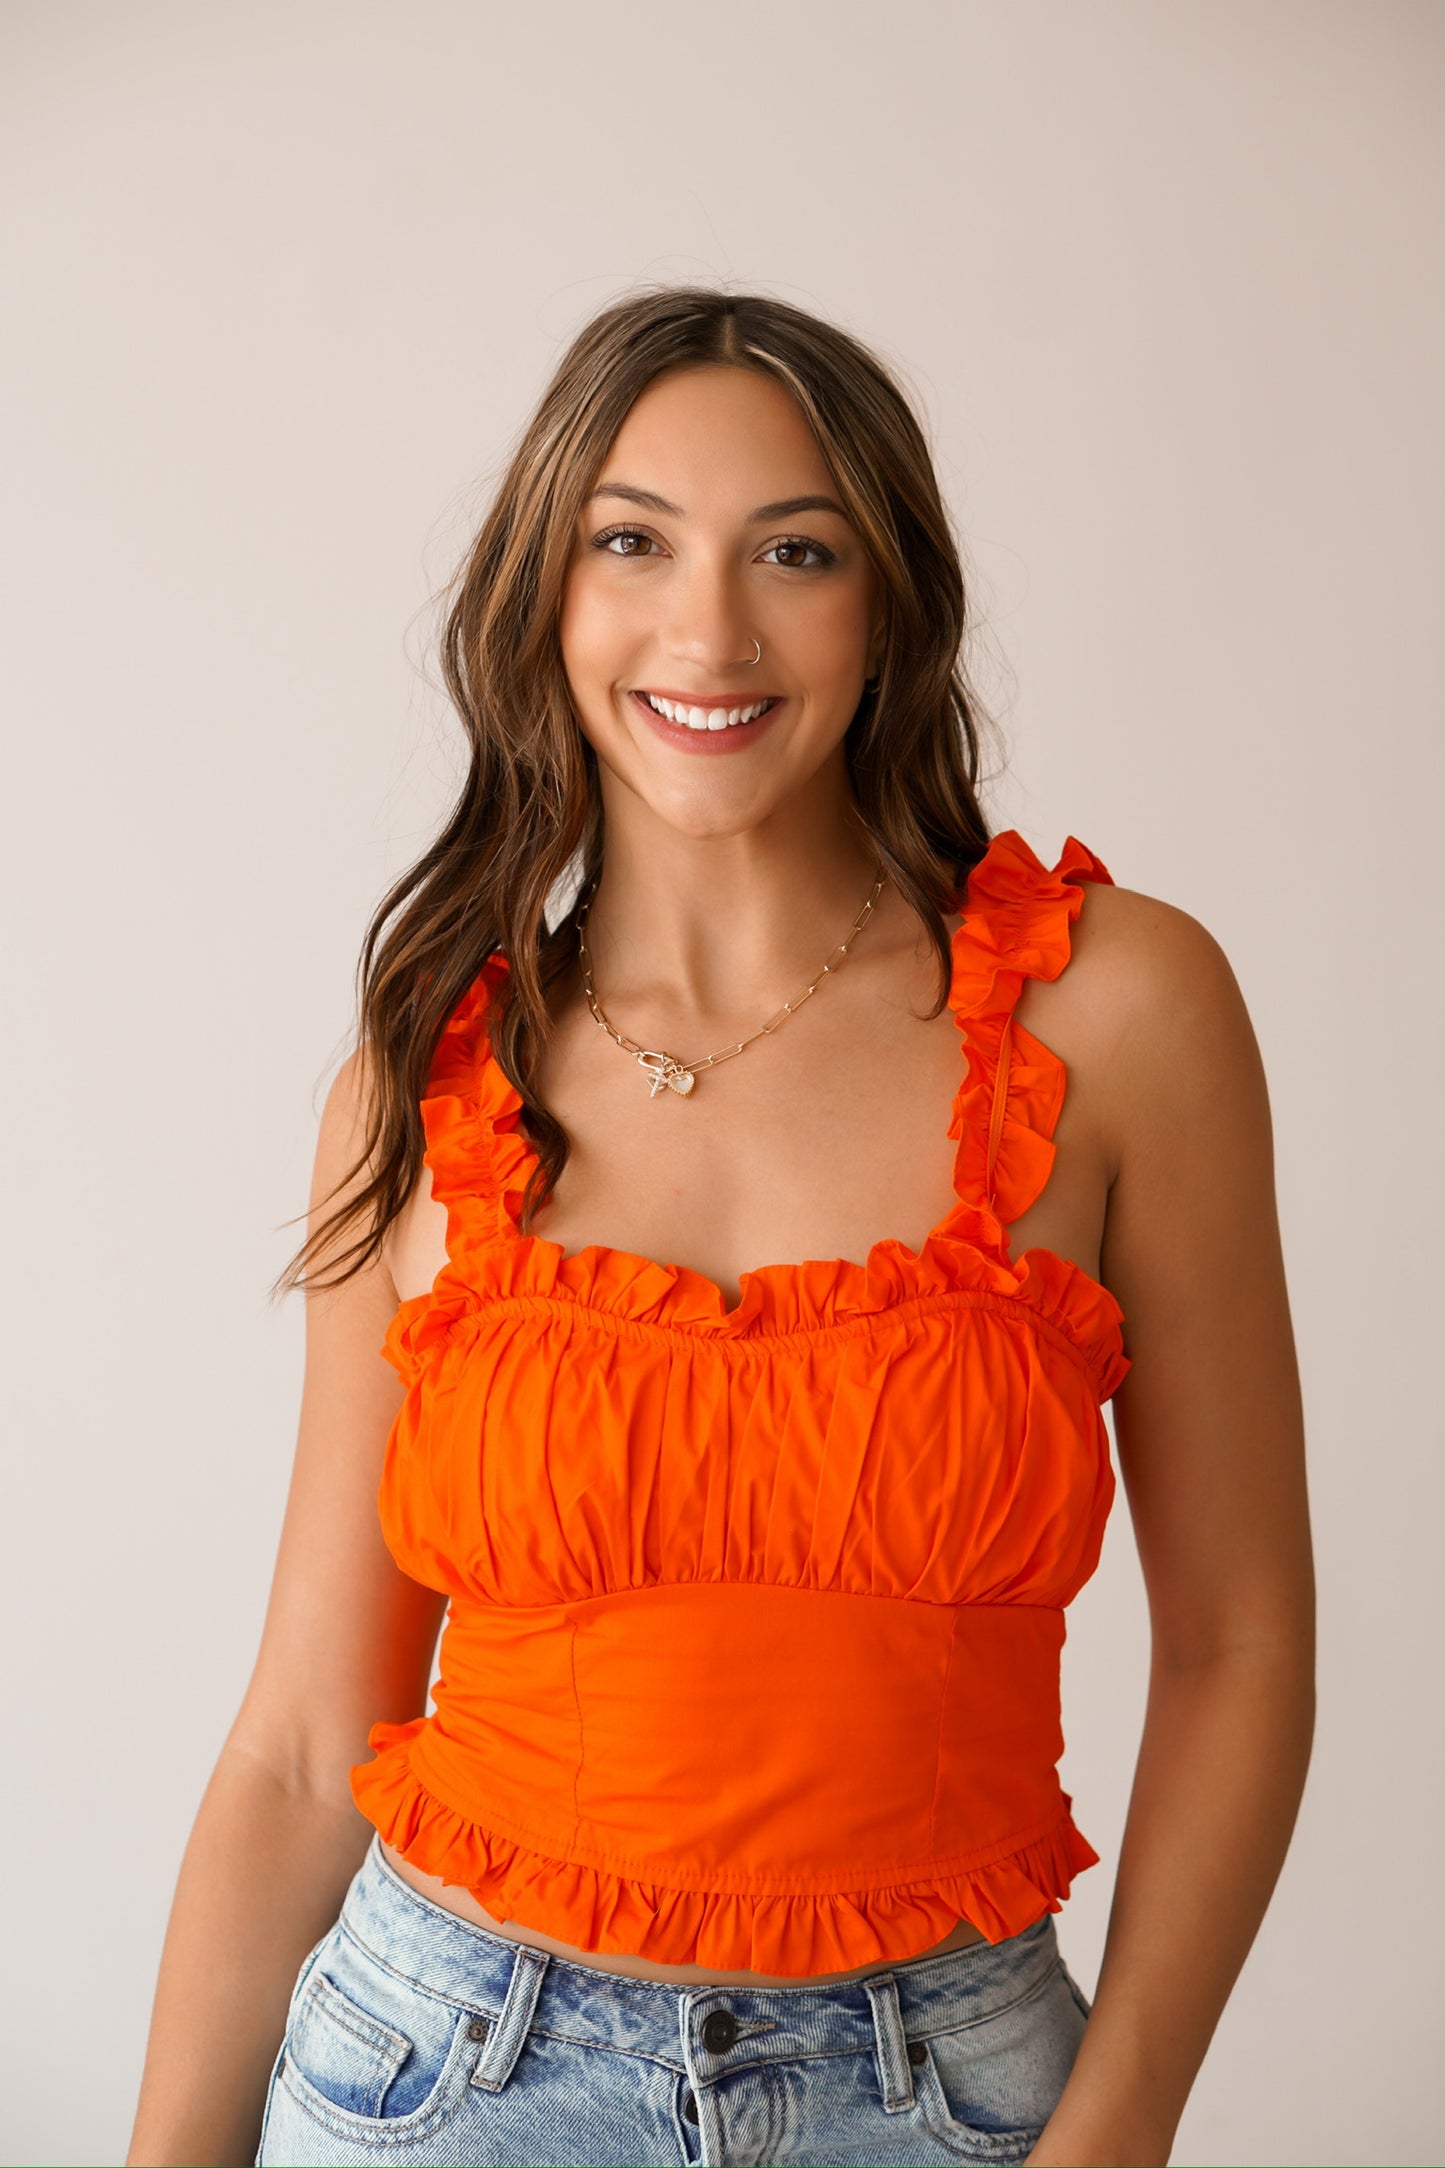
(704, 718)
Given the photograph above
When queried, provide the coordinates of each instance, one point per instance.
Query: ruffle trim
(478, 1157)
(1018, 915)
(960, 1257)
(794, 1936)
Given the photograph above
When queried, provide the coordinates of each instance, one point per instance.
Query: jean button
(689, 2107)
(917, 2052)
(478, 2029)
(719, 2031)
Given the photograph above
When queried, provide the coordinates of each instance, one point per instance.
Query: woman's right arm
(348, 1638)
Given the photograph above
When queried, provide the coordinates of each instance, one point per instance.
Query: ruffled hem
(794, 1936)
(1016, 926)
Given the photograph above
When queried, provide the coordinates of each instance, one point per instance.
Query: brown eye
(621, 534)
(822, 555)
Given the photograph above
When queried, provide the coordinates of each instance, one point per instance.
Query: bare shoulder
(342, 1169)
(1158, 1007)
(337, 1170)
(1209, 1422)
(1192, 1246)
(347, 1633)
(1141, 955)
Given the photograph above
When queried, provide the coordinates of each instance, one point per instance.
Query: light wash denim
(413, 2035)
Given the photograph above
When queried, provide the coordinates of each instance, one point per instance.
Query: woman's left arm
(1211, 1453)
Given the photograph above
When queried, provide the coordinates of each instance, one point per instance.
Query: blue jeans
(415, 2036)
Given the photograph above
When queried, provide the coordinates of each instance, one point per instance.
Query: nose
(709, 626)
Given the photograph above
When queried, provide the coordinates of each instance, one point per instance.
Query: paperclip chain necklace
(666, 1069)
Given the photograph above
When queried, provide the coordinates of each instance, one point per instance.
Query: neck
(723, 929)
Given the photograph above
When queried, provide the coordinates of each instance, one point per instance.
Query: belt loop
(895, 2073)
(507, 2035)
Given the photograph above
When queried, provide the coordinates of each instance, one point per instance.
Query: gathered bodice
(752, 1649)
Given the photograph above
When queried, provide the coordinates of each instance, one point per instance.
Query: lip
(705, 700)
(735, 739)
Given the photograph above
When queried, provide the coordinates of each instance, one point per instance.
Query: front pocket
(987, 2088)
(972, 2142)
(1085, 2006)
(348, 2055)
(371, 2054)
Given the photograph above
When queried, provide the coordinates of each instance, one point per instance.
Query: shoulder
(345, 1164)
(1161, 1012)
(1142, 955)
(345, 1116)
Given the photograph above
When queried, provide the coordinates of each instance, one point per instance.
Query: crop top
(752, 1653)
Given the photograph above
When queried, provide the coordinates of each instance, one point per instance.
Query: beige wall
(286, 280)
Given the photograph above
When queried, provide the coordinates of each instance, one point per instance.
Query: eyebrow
(785, 507)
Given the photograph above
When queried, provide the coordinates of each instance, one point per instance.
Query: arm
(277, 1838)
(1211, 1453)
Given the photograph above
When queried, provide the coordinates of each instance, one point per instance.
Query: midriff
(452, 1898)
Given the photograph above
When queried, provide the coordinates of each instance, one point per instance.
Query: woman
(735, 1833)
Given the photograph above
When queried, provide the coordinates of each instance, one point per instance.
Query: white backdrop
(283, 282)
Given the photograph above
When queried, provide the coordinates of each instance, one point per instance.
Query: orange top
(752, 1654)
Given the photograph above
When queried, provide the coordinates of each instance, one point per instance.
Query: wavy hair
(529, 814)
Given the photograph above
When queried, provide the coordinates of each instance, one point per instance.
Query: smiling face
(715, 525)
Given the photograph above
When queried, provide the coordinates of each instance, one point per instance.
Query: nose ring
(757, 643)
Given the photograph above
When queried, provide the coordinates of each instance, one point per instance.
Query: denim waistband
(514, 1986)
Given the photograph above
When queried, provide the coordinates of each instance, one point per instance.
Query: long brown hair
(529, 814)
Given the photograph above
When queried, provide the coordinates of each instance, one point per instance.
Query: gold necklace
(666, 1069)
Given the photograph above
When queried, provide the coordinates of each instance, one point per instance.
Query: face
(716, 525)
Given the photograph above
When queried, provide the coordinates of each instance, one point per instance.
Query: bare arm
(347, 1638)
(1211, 1450)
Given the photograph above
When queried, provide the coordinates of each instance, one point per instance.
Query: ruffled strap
(478, 1158)
(1017, 916)
(479, 1164)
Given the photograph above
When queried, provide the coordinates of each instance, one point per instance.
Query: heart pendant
(667, 1069)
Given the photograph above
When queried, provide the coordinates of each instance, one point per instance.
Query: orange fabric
(752, 1654)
